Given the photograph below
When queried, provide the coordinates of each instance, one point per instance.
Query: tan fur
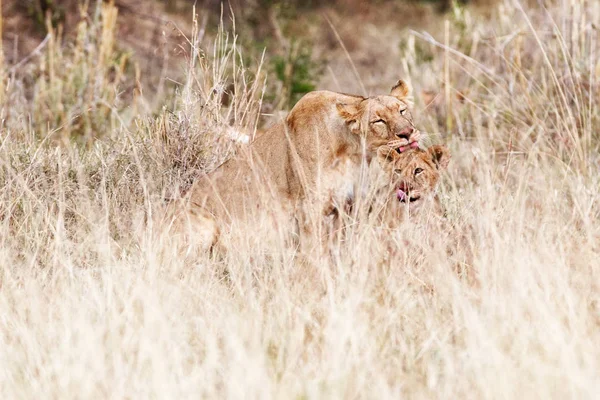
(189, 228)
(416, 172)
(316, 153)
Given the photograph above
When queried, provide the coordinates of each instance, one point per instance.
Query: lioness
(300, 157)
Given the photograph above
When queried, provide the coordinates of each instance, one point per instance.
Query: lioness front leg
(188, 227)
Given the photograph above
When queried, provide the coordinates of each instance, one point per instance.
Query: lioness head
(413, 173)
(383, 120)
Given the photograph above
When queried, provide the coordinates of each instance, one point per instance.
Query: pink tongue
(400, 194)
(413, 145)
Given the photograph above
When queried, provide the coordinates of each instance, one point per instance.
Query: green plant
(44, 11)
(297, 72)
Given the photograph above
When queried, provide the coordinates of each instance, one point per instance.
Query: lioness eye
(379, 121)
(403, 111)
(398, 171)
(418, 171)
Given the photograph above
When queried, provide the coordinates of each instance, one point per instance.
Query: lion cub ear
(350, 114)
(401, 90)
(386, 155)
(440, 156)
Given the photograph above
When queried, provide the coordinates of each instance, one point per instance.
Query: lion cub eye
(379, 121)
(418, 171)
(403, 111)
(397, 171)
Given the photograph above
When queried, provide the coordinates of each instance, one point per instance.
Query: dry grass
(499, 301)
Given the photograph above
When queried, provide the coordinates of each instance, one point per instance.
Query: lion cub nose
(404, 187)
(406, 132)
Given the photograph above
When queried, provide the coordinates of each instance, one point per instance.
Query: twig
(428, 38)
(30, 55)
(339, 39)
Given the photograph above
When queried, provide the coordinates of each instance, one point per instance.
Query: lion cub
(411, 178)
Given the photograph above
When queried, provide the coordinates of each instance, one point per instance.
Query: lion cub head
(382, 120)
(414, 173)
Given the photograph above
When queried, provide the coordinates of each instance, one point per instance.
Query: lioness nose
(406, 132)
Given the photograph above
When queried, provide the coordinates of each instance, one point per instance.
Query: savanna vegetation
(109, 108)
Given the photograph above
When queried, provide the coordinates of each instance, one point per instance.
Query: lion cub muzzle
(406, 194)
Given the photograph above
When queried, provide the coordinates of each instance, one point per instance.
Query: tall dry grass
(499, 301)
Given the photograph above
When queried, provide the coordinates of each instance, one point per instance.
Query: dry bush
(498, 300)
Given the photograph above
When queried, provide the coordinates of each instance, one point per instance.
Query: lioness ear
(440, 155)
(350, 114)
(401, 90)
(386, 154)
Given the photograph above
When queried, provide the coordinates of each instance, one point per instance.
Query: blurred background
(345, 45)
